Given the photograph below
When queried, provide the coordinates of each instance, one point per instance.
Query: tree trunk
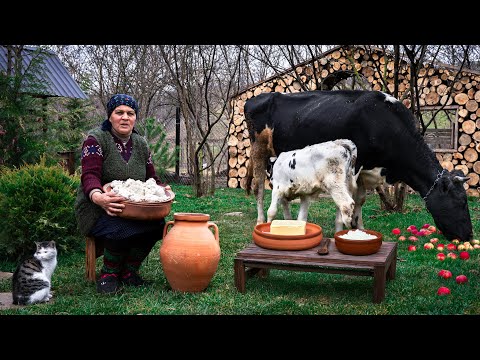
(197, 177)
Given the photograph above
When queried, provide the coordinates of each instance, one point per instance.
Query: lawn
(412, 292)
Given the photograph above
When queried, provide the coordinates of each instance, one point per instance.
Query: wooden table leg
(392, 269)
(239, 269)
(379, 280)
(90, 258)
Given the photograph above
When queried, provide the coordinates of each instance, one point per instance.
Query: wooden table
(381, 266)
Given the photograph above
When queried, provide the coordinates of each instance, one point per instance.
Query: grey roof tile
(55, 77)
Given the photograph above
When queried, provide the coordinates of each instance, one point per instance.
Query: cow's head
(448, 205)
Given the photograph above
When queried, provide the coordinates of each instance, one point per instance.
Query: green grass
(412, 292)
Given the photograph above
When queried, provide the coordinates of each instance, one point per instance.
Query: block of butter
(288, 227)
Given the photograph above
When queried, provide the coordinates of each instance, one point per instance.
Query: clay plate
(145, 210)
(358, 247)
(263, 238)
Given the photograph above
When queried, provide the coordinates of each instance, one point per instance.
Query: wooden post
(177, 140)
(68, 160)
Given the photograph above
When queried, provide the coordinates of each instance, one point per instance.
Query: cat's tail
(19, 300)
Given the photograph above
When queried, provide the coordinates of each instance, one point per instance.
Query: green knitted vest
(114, 168)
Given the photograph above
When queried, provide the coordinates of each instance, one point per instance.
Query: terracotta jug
(190, 252)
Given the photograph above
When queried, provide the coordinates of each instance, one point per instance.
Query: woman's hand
(109, 201)
(169, 189)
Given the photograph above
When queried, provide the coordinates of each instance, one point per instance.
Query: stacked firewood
(438, 86)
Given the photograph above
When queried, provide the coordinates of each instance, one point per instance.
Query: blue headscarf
(121, 99)
(115, 101)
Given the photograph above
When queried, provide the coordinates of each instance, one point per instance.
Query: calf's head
(448, 205)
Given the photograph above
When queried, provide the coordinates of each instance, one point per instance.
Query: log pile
(437, 86)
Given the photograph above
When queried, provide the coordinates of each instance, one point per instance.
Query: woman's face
(123, 119)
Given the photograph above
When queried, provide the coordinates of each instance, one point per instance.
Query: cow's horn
(460, 178)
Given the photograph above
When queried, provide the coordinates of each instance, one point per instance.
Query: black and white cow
(325, 168)
(383, 130)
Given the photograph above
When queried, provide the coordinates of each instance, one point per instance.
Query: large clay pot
(190, 252)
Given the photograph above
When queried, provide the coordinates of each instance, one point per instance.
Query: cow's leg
(357, 221)
(360, 197)
(272, 210)
(303, 211)
(259, 186)
(259, 192)
(338, 220)
(260, 153)
(287, 211)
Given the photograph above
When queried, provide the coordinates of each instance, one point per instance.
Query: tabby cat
(31, 281)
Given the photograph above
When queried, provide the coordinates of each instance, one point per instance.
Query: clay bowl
(145, 210)
(263, 238)
(358, 247)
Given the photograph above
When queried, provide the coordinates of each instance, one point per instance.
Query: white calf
(325, 168)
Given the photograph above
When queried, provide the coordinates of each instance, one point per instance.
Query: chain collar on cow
(440, 174)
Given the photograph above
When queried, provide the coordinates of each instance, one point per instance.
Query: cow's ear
(444, 184)
(355, 176)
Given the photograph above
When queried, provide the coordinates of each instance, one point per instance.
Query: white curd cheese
(138, 191)
(357, 235)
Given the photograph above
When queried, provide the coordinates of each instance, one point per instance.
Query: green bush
(37, 204)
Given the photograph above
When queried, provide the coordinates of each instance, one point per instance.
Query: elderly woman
(115, 151)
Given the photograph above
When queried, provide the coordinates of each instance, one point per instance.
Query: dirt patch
(5, 275)
(6, 301)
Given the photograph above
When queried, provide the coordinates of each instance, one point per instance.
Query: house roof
(55, 77)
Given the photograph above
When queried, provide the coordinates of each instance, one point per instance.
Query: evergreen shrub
(37, 204)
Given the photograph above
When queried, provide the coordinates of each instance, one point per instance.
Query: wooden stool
(93, 250)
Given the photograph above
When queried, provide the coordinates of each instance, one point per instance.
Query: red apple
(396, 231)
(464, 255)
(428, 246)
(411, 227)
(456, 241)
(432, 228)
(451, 247)
(443, 290)
(441, 256)
(434, 240)
(461, 279)
(412, 248)
(452, 255)
(412, 238)
(421, 233)
(402, 238)
(425, 226)
(440, 247)
(441, 272)
(446, 274)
